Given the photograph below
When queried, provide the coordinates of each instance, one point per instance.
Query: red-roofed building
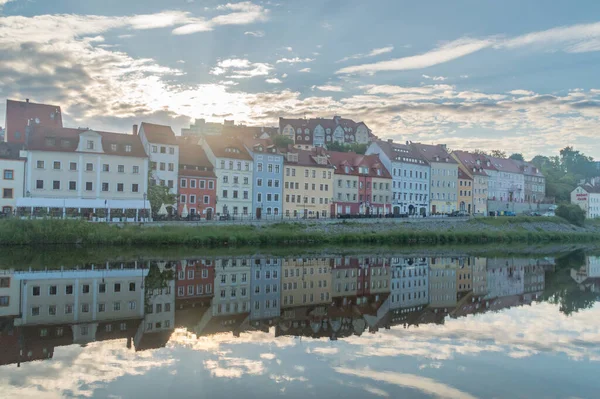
(21, 114)
(477, 167)
(362, 185)
(319, 132)
(195, 282)
(197, 182)
(162, 148)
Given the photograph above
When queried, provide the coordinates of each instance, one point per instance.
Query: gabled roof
(242, 131)
(307, 157)
(67, 140)
(397, 152)
(528, 168)
(469, 161)
(590, 188)
(505, 165)
(227, 147)
(10, 150)
(193, 160)
(18, 113)
(354, 161)
(463, 176)
(433, 153)
(159, 134)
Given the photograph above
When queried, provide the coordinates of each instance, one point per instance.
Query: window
(89, 167)
(117, 306)
(35, 311)
(171, 166)
(52, 290)
(85, 288)
(56, 185)
(4, 282)
(4, 301)
(117, 287)
(154, 149)
(131, 287)
(69, 289)
(68, 308)
(105, 186)
(121, 168)
(132, 305)
(120, 187)
(105, 167)
(102, 288)
(40, 164)
(163, 149)
(72, 165)
(193, 183)
(90, 144)
(211, 185)
(56, 165)
(85, 308)
(136, 169)
(101, 307)
(135, 188)
(72, 185)
(36, 290)
(172, 150)
(206, 199)
(162, 166)
(39, 184)
(7, 193)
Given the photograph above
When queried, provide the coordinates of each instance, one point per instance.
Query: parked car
(535, 214)
(552, 208)
(549, 214)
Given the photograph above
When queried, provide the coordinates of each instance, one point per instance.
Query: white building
(409, 282)
(587, 197)
(159, 318)
(162, 148)
(82, 172)
(234, 169)
(232, 286)
(12, 178)
(410, 176)
(506, 180)
(9, 294)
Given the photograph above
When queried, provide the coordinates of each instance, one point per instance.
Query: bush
(572, 213)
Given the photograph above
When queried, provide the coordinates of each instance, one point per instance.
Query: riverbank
(476, 231)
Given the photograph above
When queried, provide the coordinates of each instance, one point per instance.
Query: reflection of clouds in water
(232, 367)
(426, 385)
(323, 351)
(525, 331)
(78, 371)
(267, 356)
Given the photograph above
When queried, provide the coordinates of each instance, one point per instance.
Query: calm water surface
(416, 325)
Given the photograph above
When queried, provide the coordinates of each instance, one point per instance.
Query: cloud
(575, 38)
(241, 68)
(289, 49)
(447, 52)
(273, 81)
(372, 53)
(294, 60)
(3, 2)
(329, 88)
(521, 92)
(257, 33)
(244, 13)
(437, 78)
(423, 384)
(304, 70)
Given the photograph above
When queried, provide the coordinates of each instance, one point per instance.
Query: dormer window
(347, 169)
(378, 172)
(113, 147)
(127, 148)
(65, 143)
(50, 141)
(90, 144)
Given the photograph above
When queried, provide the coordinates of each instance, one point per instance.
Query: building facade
(319, 132)
(232, 286)
(308, 183)
(587, 197)
(410, 176)
(465, 192)
(84, 172)
(22, 115)
(444, 177)
(362, 185)
(409, 282)
(265, 288)
(197, 182)
(507, 182)
(534, 180)
(234, 170)
(163, 152)
(267, 198)
(12, 178)
(474, 165)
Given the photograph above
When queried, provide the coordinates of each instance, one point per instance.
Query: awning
(29, 202)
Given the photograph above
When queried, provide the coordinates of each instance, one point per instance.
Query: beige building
(444, 177)
(442, 282)
(465, 192)
(475, 165)
(12, 177)
(308, 183)
(344, 277)
(306, 281)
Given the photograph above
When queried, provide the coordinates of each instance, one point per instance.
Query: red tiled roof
(469, 160)
(591, 189)
(193, 155)
(242, 132)
(67, 140)
(159, 134)
(332, 124)
(306, 157)
(19, 112)
(528, 168)
(219, 145)
(463, 176)
(354, 161)
(505, 165)
(433, 152)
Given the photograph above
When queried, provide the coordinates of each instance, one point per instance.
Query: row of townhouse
(47, 168)
(42, 310)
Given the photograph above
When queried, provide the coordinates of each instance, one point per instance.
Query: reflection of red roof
(67, 140)
(227, 147)
(19, 112)
(353, 161)
(159, 134)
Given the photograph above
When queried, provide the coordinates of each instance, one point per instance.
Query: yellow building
(465, 192)
(474, 165)
(305, 281)
(308, 183)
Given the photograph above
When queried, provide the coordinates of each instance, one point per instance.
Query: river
(353, 323)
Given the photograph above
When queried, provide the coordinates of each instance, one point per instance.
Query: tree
(158, 195)
(282, 141)
(479, 152)
(517, 157)
(498, 154)
(573, 213)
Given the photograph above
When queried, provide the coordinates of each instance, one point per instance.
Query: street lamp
(145, 212)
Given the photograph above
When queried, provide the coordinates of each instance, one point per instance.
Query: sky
(511, 75)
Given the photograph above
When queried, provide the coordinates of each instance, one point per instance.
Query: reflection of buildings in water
(479, 275)
(442, 282)
(409, 282)
(588, 275)
(464, 276)
(346, 277)
(305, 281)
(9, 294)
(377, 276)
(232, 286)
(264, 288)
(505, 277)
(195, 278)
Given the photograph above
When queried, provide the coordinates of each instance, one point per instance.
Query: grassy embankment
(488, 230)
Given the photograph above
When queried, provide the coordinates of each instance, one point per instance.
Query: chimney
(444, 146)
(390, 141)
(135, 130)
(26, 100)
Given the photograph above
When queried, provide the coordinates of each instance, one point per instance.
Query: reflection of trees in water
(158, 278)
(562, 290)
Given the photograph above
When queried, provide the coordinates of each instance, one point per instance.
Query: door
(258, 213)
(433, 209)
(209, 214)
